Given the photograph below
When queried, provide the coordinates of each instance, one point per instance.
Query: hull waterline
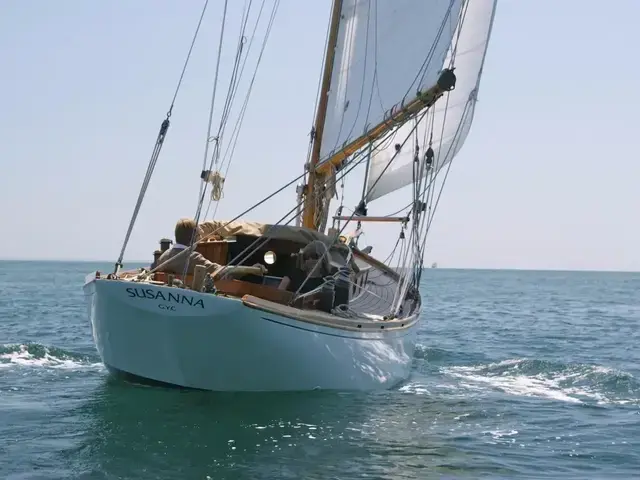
(196, 340)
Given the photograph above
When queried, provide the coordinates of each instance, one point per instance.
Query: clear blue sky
(548, 178)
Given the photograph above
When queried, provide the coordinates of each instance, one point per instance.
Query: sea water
(518, 374)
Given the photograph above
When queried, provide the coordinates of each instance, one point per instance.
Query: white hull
(218, 343)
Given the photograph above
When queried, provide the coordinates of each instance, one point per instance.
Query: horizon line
(515, 269)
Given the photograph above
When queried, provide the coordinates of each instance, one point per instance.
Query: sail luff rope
(164, 127)
(463, 16)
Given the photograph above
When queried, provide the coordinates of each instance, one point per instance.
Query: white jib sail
(386, 51)
(451, 117)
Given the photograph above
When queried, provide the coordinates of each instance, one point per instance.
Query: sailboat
(396, 101)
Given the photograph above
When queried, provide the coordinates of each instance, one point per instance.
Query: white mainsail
(386, 51)
(452, 115)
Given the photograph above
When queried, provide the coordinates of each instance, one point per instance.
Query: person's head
(309, 257)
(185, 229)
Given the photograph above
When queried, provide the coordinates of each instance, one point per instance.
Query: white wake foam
(21, 356)
(571, 384)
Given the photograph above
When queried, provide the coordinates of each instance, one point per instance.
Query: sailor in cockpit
(186, 232)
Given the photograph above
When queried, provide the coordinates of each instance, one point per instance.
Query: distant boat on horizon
(434, 265)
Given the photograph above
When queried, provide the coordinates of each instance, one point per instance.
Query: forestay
(386, 52)
(452, 115)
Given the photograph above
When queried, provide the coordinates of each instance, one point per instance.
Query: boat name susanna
(170, 297)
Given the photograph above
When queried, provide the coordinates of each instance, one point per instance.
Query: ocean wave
(37, 355)
(576, 383)
(431, 354)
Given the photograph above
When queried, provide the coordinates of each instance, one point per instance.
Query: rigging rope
(419, 76)
(211, 109)
(143, 189)
(252, 248)
(192, 247)
(420, 222)
(217, 180)
(218, 138)
(230, 150)
(429, 191)
(186, 61)
(339, 232)
(164, 127)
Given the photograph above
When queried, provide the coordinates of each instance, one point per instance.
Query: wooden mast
(311, 193)
(320, 171)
